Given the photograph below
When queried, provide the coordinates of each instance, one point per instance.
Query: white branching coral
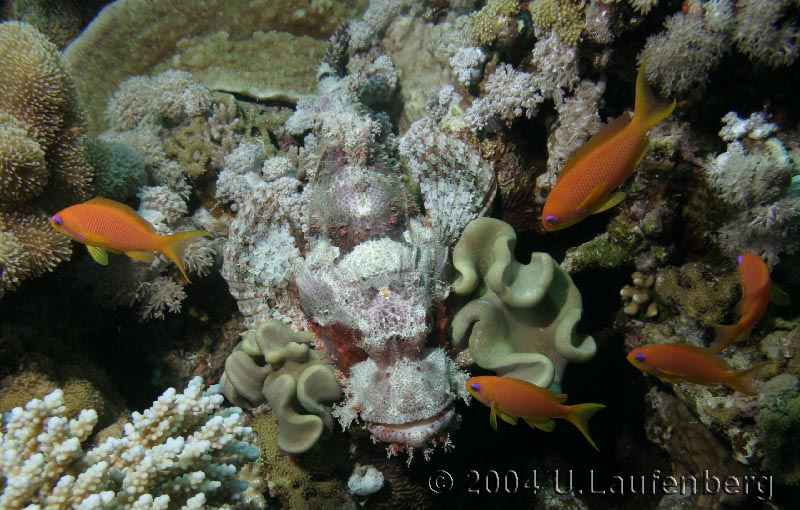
(763, 35)
(509, 94)
(183, 452)
(681, 57)
(172, 94)
(754, 178)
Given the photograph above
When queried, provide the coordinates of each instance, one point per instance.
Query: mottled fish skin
(104, 225)
(510, 399)
(587, 182)
(756, 287)
(682, 362)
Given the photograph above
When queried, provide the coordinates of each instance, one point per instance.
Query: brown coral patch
(697, 293)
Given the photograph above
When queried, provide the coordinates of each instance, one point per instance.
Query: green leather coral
(276, 364)
(520, 319)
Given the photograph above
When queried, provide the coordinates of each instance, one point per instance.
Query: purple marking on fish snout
(739, 259)
(475, 386)
(57, 221)
(640, 357)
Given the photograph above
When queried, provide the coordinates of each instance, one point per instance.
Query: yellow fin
(579, 415)
(612, 200)
(606, 133)
(744, 380)
(493, 416)
(592, 198)
(173, 246)
(648, 110)
(545, 424)
(144, 256)
(100, 255)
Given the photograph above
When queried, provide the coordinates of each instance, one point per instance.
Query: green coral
(119, 170)
(486, 24)
(778, 423)
(520, 319)
(277, 364)
(608, 250)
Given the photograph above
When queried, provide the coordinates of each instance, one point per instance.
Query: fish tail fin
(744, 381)
(726, 335)
(174, 246)
(579, 416)
(648, 110)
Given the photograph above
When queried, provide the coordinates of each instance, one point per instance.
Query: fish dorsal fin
(144, 256)
(546, 424)
(124, 209)
(612, 200)
(552, 395)
(607, 132)
(100, 255)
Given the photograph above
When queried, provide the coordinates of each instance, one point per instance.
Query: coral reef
(41, 158)
(521, 319)
(294, 377)
(183, 450)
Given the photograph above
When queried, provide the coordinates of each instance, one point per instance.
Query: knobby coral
(41, 159)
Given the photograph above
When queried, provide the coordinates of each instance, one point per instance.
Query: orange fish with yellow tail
(511, 398)
(681, 362)
(587, 182)
(756, 287)
(104, 225)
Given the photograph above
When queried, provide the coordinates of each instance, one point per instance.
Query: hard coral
(520, 319)
(41, 159)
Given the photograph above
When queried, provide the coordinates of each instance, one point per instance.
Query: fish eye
(739, 259)
(475, 386)
(639, 357)
(550, 219)
(57, 220)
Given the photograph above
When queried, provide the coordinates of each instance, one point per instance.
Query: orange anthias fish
(681, 362)
(104, 225)
(511, 398)
(756, 287)
(587, 182)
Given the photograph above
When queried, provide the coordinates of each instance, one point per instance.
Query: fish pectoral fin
(671, 377)
(612, 200)
(546, 424)
(511, 420)
(493, 416)
(100, 255)
(144, 256)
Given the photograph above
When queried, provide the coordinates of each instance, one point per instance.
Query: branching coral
(520, 319)
(183, 450)
(754, 178)
(509, 94)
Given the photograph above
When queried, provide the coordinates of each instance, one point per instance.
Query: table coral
(294, 378)
(520, 319)
(154, 34)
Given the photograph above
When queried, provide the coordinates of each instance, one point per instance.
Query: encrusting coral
(294, 377)
(41, 157)
(184, 450)
(521, 319)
